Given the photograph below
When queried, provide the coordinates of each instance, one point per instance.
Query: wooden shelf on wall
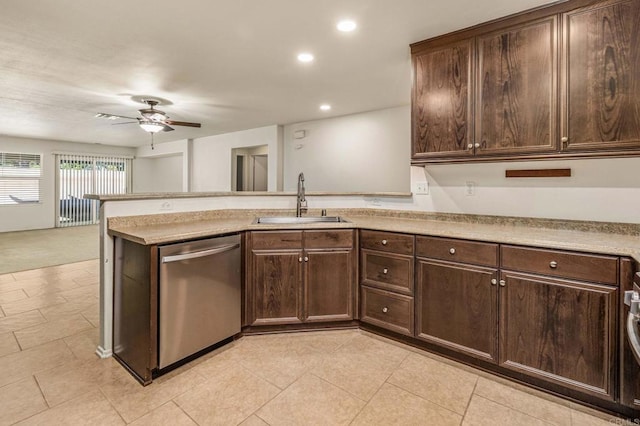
(538, 173)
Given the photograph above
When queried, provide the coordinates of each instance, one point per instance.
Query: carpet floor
(39, 248)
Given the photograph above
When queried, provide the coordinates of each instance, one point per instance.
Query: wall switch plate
(470, 188)
(422, 188)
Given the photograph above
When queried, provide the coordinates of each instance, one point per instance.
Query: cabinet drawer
(457, 250)
(387, 241)
(389, 271)
(387, 310)
(328, 238)
(266, 240)
(587, 267)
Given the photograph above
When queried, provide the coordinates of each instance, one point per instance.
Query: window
(20, 176)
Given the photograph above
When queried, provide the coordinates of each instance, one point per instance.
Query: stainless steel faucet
(301, 204)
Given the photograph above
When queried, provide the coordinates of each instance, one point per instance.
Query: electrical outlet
(422, 188)
(470, 189)
(166, 205)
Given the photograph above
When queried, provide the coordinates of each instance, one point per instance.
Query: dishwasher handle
(197, 254)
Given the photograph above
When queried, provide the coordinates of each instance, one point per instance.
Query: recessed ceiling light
(346, 26)
(305, 57)
(325, 107)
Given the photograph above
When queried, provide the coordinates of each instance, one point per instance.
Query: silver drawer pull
(306, 259)
(503, 283)
(553, 264)
(385, 271)
(470, 146)
(384, 242)
(385, 309)
(452, 251)
(494, 281)
(300, 259)
(476, 145)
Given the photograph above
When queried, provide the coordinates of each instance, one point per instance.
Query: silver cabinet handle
(452, 250)
(197, 254)
(300, 259)
(503, 283)
(384, 242)
(385, 271)
(306, 259)
(565, 139)
(494, 281)
(476, 145)
(470, 146)
(553, 264)
(385, 309)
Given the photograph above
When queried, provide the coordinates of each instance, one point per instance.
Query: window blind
(20, 176)
(88, 174)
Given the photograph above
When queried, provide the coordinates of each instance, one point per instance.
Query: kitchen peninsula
(584, 265)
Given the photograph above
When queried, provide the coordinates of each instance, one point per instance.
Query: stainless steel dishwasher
(199, 296)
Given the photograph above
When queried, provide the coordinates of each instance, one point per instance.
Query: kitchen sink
(302, 219)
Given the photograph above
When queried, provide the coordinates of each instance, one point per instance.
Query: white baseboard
(103, 353)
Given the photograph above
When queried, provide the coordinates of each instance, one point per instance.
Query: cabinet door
(516, 100)
(329, 285)
(601, 108)
(559, 330)
(457, 307)
(276, 278)
(441, 102)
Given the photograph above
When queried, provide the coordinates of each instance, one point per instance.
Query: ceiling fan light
(151, 126)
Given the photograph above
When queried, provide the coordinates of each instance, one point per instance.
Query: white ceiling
(229, 64)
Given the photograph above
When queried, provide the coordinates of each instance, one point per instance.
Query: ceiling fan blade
(112, 116)
(167, 128)
(182, 123)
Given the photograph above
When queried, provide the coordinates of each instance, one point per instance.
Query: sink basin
(302, 219)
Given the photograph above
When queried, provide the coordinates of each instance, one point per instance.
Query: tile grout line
(42, 392)
(111, 404)
(473, 392)
(427, 399)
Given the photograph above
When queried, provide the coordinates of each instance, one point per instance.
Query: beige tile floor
(49, 374)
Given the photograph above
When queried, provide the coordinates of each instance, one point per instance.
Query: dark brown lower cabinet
(276, 278)
(559, 330)
(457, 307)
(387, 309)
(299, 277)
(328, 286)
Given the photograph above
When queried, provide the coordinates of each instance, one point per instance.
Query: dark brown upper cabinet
(516, 90)
(561, 81)
(442, 111)
(601, 100)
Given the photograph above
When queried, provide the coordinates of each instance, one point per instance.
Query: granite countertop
(160, 195)
(162, 229)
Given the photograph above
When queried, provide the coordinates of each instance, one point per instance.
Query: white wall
(605, 190)
(211, 158)
(158, 174)
(165, 168)
(372, 150)
(42, 215)
(366, 152)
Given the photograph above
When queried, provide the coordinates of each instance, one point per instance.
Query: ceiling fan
(152, 120)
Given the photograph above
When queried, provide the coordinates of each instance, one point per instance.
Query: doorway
(250, 168)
